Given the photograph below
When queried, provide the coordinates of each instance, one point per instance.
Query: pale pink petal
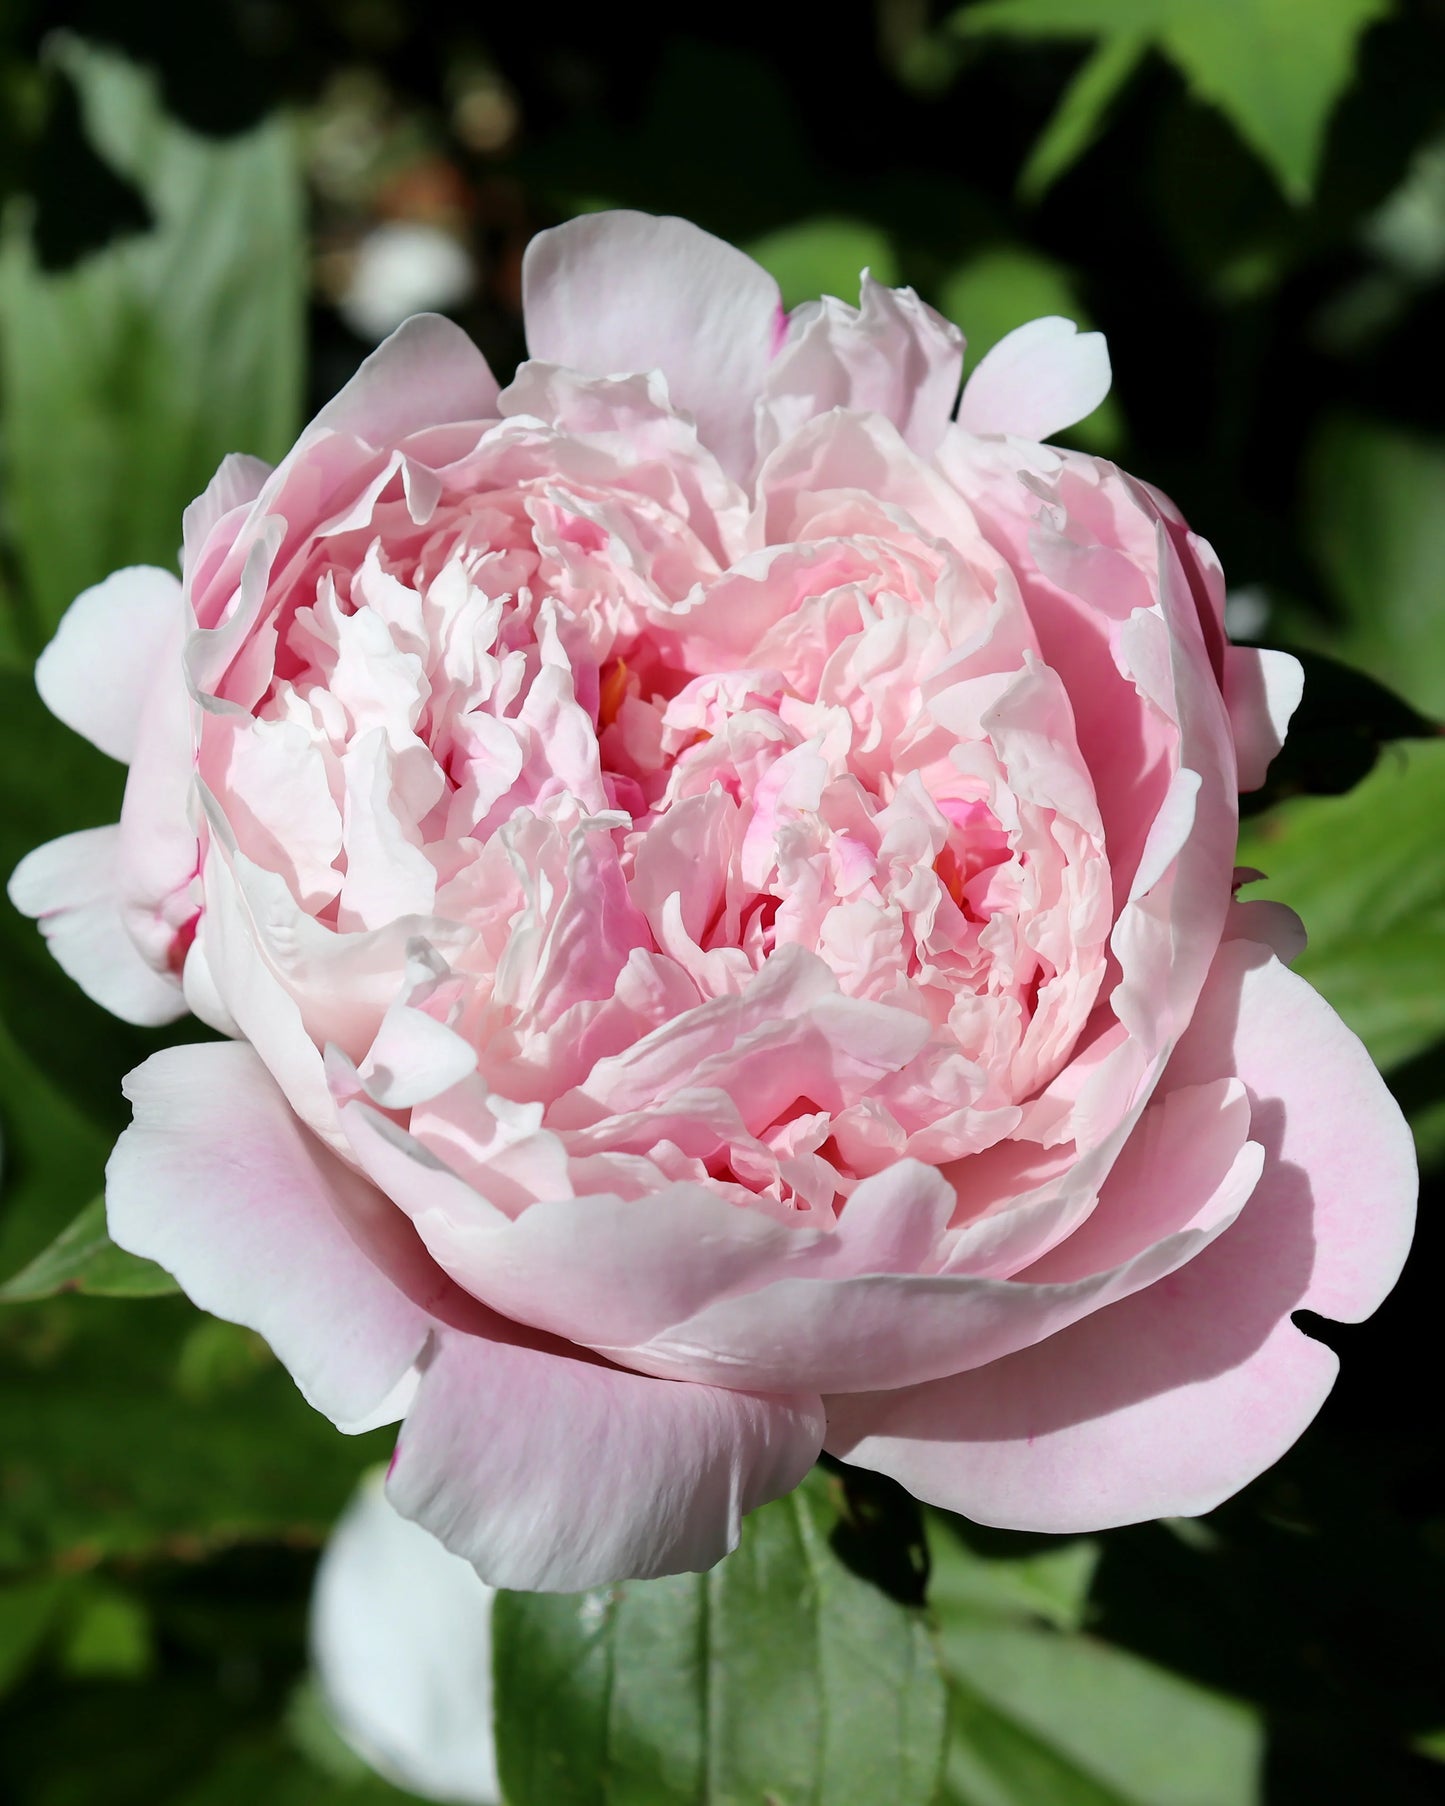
(218, 1182)
(619, 293)
(203, 999)
(1036, 381)
(414, 1058)
(294, 986)
(112, 642)
(159, 851)
(1160, 1406)
(1168, 833)
(69, 886)
(1340, 1153)
(1274, 924)
(552, 1474)
(1262, 689)
(427, 374)
(238, 481)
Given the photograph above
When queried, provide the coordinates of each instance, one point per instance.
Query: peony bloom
(718, 871)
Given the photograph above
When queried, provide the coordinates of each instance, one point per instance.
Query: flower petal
(217, 1181)
(1262, 689)
(69, 886)
(97, 671)
(622, 293)
(1338, 1148)
(1160, 1406)
(427, 374)
(552, 1474)
(1037, 380)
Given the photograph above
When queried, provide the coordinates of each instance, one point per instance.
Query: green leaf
(992, 1575)
(128, 377)
(825, 257)
(1366, 873)
(1079, 117)
(782, 1675)
(83, 1258)
(1003, 287)
(1041, 1715)
(1275, 68)
(1375, 516)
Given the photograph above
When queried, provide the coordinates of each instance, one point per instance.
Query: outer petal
(401, 1636)
(616, 293)
(159, 852)
(1037, 380)
(1338, 1148)
(96, 673)
(69, 885)
(1261, 691)
(552, 1474)
(1161, 1406)
(428, 373)
(1170, 1401)
(217, 1181)
(238, 481)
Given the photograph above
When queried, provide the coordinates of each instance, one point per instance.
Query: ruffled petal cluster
(717, 867)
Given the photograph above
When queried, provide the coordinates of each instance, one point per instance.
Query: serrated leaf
(128, 377)
(1275, 68)
(782, 1675)
(1366, 874)
(83, 1258)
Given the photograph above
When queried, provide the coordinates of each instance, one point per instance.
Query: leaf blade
(83, 1258)
(780, 1675)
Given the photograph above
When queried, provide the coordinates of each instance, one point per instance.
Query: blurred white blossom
(404, 267)
(401, 1637)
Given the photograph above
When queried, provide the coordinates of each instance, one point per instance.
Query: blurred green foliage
(149, 360)
(1275, 68)
(1248, 198)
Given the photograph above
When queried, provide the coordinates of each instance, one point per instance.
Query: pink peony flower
(719, 874)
